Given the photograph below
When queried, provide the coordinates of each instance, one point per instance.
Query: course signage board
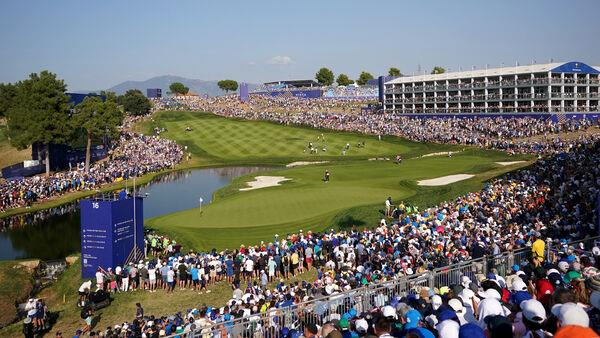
(244, 92)
(108, 233)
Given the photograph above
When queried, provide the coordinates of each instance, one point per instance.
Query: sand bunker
(446, 153)
(265, 182)
(509, 163)
(444, 180)
(299, 163)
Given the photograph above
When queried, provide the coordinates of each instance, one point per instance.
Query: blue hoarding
(243, 92)
(381, 87)
(154, 93)
(108, 233)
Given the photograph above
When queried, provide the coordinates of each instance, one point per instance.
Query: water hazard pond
(54, 233)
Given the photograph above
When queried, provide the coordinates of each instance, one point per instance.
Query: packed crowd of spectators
(133, 155)
(547, 205)
(516, 135)
(350, 92)
(257, 103)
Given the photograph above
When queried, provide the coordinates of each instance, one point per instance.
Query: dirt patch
(300, 163)
(504, 164)
(444, 180)
(264, 182)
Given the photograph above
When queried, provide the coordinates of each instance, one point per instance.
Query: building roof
(536, 68)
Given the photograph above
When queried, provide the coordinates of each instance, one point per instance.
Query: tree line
(38, 110)
(179, 88)
(325, 76)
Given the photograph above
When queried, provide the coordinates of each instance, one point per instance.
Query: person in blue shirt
(163, 273)
(194, 273)
(229, 269)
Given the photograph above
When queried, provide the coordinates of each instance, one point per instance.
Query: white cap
(563, 266)
(389, 311)
(361, 325)
(533, 310)
(436, 302)
(466, 295)
(490, 293)
(465, 281)
(518, 285)
(457, 306)
(571, 314)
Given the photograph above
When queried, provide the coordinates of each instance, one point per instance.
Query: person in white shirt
(170, 279)
(118, 277)
(125, 280)
(99, 279)
(84, 289)
(249, 265)
(152, 278)
(388, 207)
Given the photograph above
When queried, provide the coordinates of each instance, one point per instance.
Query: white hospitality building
(539, 88)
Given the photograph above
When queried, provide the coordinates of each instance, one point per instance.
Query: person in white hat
(534, 318)
(457, 305)
(362, 326)
(389, 312)
(573, 321)
(490, 306)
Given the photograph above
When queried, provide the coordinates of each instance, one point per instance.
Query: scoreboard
(109, 230)
(154, 93)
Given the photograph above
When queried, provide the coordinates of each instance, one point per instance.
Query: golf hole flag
(109, 232)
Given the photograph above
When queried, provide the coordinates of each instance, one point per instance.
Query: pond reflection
(54, 233)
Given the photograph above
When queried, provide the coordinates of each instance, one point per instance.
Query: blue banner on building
(109, 232)
(575, 68)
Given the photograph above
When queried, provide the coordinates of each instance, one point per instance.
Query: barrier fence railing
(269, 324)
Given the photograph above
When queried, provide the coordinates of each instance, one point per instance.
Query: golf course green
(355, 195)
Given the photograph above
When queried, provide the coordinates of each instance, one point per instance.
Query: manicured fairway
(306, 202)
(218, 139)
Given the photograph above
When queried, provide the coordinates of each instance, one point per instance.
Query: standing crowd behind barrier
(361, 300)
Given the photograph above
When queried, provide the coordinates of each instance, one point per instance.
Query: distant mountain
(199, 87)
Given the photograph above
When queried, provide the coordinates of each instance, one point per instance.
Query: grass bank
(16, 283)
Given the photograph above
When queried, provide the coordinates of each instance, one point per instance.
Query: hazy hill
(199, 87)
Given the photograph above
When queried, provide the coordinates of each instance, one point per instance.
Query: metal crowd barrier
(318, 311)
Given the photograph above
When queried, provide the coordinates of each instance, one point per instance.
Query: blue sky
(97, 44)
